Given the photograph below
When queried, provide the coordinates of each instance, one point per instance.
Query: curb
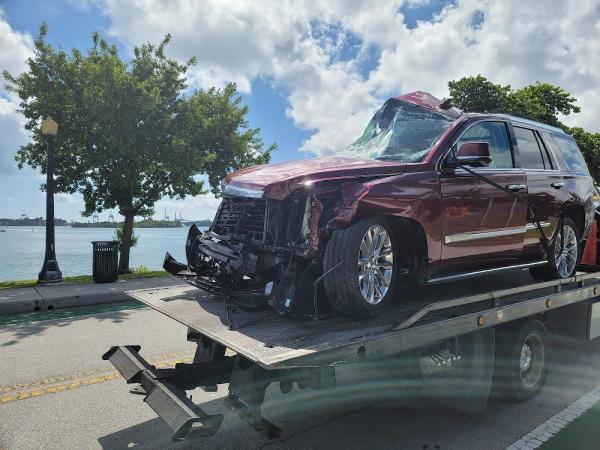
(46, 298)
(83, 300)
(19, 306)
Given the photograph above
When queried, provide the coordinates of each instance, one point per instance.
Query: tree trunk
(126, 243)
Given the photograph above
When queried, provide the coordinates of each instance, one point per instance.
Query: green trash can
(106, 261)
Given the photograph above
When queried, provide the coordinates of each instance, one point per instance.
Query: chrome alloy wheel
(566, 258)
(375, 264)
(531, 361)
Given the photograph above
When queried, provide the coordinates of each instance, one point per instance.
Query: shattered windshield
(399, 131)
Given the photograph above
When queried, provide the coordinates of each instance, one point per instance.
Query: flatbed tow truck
(482, 341)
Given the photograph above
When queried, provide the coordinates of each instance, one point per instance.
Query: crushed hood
(278, 180)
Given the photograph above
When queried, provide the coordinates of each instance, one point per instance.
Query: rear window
(571, 153)
(529, 150)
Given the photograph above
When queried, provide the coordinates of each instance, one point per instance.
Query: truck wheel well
(577, 214)
(410, 233)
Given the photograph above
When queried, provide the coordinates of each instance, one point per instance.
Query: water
(22, 249)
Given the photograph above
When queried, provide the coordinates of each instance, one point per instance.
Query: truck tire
(364, 282)
(561, 264)
(521, 360)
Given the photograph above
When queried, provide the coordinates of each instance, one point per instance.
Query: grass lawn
(140, 272)
(581, 434)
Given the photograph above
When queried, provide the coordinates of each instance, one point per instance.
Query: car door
(483, 226)
(545, 183)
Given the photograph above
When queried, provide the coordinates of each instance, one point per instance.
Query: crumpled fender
(351, 196)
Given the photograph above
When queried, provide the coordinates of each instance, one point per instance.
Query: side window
(529, 150)
(495, 134)
(571, 153)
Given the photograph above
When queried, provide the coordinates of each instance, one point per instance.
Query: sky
(311, 72)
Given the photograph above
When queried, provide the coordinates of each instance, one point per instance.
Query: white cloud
(15, 48)
(297, 45)
(12, 135)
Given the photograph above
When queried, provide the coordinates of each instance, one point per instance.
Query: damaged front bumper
(209, 266)
(221, 267)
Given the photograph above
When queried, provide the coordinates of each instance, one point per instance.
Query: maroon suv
(427, 194)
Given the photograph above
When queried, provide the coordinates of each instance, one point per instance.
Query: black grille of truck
(238, 216)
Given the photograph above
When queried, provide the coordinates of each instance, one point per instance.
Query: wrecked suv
(426, 194)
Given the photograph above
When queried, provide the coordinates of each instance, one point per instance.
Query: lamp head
(49, 126)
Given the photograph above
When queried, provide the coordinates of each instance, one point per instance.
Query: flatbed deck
(434, 313)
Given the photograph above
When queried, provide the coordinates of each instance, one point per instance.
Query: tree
(129, 131)
(478, 94)
(542, 102)
(118, 236)
(589, 143)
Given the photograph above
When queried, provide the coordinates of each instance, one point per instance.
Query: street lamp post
(50, 272)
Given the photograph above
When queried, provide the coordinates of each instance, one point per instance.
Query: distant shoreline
(36, 222)
(148, 223)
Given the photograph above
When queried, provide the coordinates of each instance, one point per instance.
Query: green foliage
(152, 223)
(217, 136)
(129, 133)
(542, 102)
(589, 143)
(138, 272)
(118, 236)
(34, 222)
(141, 269)
(145, 223)
(478, 94)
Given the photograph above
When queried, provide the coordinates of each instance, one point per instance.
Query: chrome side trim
(461, 276)
(240, 191)
(464, 237)
(532, 226)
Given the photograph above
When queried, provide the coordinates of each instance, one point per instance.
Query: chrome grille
(240, 216)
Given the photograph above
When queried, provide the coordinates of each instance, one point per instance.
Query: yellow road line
(98, 372)
(76, 381)
(59, 388)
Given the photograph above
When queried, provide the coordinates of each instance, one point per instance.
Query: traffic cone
(590, 251)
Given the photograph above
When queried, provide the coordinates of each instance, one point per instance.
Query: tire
(521, 361)
(345, 291)
(554, 271)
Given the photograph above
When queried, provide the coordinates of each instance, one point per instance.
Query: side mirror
(474, 154)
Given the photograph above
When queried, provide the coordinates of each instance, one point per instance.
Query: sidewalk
(65, 295)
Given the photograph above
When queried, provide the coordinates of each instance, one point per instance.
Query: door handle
(557, 185)
(516, 187)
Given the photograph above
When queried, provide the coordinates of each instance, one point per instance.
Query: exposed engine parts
(262, 251)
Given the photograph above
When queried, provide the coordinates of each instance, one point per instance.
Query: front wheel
(563, 258)
(363, 263)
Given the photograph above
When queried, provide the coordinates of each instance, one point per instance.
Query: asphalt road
(56, 392)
